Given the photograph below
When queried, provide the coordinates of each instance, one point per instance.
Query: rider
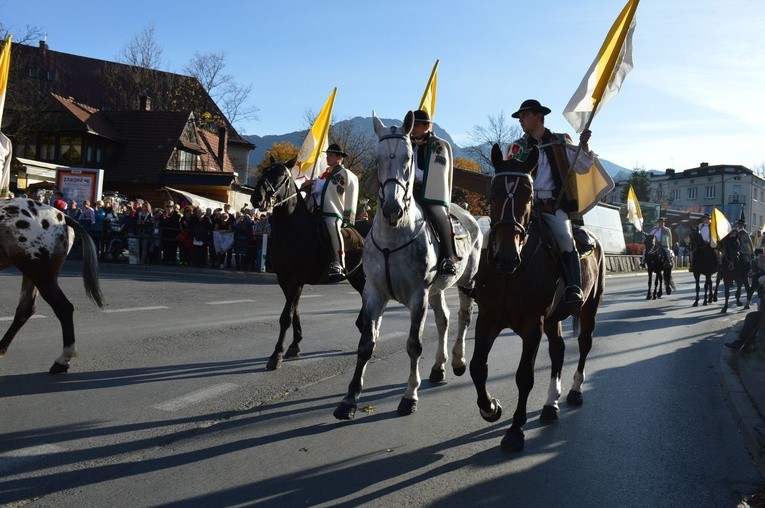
(746, 248)
(433, 163)
(663, 237)
(335, 193)
(550, 175)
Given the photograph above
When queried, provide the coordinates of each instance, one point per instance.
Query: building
(65, 110)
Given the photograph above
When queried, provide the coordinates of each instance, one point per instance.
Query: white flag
(634, 214)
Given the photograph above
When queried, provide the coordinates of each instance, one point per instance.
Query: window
(51, 75)
(34, 72)
(675, 194)
(692, 193)
(710, 191)
(181, 160)
(70, 148)
(47, 147)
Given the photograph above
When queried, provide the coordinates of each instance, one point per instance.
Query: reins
(510, 188)
(387, 252)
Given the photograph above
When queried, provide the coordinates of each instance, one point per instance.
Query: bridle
(406, 177)
(511, 182)
(271, 190)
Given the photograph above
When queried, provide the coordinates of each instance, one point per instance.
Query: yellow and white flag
(6, 151)
(719, 227)
(604, 77)
(634, 215)
(428, 102)
(310, 161)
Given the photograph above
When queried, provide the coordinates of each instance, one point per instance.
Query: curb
(748, 420)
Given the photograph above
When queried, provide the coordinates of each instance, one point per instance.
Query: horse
(36, 238)
(657, 263)
(299, 253)
(703, 262)
(518, 287)
(733, 269)
(400, 258)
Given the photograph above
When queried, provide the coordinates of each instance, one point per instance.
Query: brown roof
(209, 142)
(93, 122)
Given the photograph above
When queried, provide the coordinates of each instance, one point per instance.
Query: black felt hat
(335, 148)
(422, 116)
(531, 105)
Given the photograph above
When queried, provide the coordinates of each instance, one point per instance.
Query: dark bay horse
(299, 255)
(658, 264)
(703, 262)
(518, 286)
(732, 270)
(36, 238)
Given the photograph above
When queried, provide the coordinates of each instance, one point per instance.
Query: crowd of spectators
(174, 234)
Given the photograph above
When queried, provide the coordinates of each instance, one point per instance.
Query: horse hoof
(549, 414)
(345, 411)
(575, 398)
(459, 371)
(648, 297)
(406, 406)
(495, 414)
(746, 307)
(292, 352)
(436, 375)
(669, 291)
(695, 304)
(513, 440)
(275, 362)
(57, 368)
(724, 310)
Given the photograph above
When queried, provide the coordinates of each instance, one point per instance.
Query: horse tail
(89, 262)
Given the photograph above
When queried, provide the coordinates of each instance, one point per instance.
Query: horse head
(273, 187)
(395, 172)
(648, 241)
(511, 196)
(729, 246)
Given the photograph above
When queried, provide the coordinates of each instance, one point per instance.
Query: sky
(696, 93)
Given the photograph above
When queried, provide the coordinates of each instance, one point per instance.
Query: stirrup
(447, 267)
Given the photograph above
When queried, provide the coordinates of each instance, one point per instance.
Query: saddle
(352, 239)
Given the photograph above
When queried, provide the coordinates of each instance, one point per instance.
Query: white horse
(400, 258)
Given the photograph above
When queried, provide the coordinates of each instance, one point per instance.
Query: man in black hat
(705, 228)
(433, 163)
(551, 174)
(745, 245)
(335, 193)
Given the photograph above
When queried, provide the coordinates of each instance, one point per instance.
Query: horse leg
(556, 349)
(441, 311)
(291, 296)
(698, 288)
(738, 294)
(64, 310)
(293, 351)
(659, 284)
(727, 285)
(24, 310)
(418, 309)
(587, 326)
(486, 333)
(465, 315)
(524, 379)
(650, 282)
(373, 308)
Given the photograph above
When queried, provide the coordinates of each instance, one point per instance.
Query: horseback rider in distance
(746, 247)
(433, 163)
(663, 237)
(550, 176)
(333, 195)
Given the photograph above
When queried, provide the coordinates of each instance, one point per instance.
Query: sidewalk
(743, 380)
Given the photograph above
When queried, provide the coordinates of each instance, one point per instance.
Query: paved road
(169, 404)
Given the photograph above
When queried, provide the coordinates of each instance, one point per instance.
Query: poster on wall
(79, 184)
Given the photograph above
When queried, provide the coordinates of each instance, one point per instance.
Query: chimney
(222, 144)
(704, 165)
(144, 103)
(43, 49)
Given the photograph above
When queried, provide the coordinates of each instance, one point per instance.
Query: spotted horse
(36, 238)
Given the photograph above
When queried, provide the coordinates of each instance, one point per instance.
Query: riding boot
(336, 270)
(440, 218)
(572, 278)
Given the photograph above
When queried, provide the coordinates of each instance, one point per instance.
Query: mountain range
(364, 125)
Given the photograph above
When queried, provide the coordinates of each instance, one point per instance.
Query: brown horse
(518, 286)
(36, 238)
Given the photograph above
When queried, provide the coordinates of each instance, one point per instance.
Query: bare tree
(142, 50)
(499, 130)
(230, 97)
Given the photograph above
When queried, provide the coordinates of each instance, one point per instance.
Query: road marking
(10, 318)
(134, 309)
(311, 296)
(196, 397)
(18, 458)
(227, 302)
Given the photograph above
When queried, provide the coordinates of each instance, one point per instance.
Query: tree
(230, 97)
(477, 204)
(482, 138)
(641, 183)
(281, 151)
